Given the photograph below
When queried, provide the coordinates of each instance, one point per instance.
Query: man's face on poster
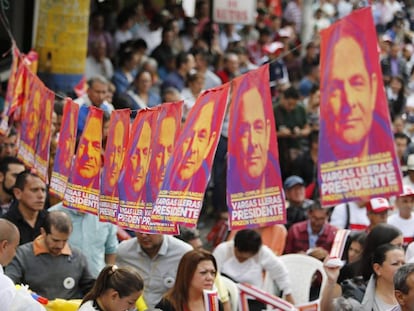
(197, 145)
(88, 162)
(253, 134)
(116, 154)
(46, 126)
(33, 117)
(140, 158)
(65, 154)
(165, 147)
(352, 92)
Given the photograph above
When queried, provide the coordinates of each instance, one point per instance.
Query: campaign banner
(30, 121)
(21, 91)
(181, 196)
(11, 85)
(115, 149)
(234, 11)
(83, 188)
(45, 135)
(167, 131)
(132, 181)
(26, 72)
(247, 291)
(357, 158)
(254, 182)
(65, 149)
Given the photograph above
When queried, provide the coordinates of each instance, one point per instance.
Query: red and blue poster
(254, 183)
(82, 190)
(45, 135)
(168, 129)
(65, 149)
(30, 122)
(115, 149)
(181, 196)
(357, 156)
(132, 181)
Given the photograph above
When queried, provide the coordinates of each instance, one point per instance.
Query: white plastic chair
(301, 269)
(233, 292)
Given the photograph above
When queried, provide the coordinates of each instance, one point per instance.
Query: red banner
(168, 129)
(31, 111)
(357, 158)
(181, 196)
(132, 181)
(45, 135)
(254, 183)
(11, 86)
(65, 149)
(115, 149)
(83, 188)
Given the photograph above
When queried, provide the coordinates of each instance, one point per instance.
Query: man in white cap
(404, 219)
(377, 211)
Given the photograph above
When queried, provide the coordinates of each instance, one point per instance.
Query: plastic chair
(273, 237)
(233, 292)
(301, 270)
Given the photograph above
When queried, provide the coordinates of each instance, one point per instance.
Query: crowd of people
(141, 55)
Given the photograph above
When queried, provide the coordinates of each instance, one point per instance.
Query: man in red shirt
(311, 235)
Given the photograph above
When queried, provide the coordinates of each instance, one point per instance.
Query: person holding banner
(196, 273)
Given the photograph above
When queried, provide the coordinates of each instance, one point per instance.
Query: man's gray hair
(97, 78)
(400, 277)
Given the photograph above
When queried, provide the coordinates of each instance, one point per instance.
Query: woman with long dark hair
(196, 272)
(116, 289)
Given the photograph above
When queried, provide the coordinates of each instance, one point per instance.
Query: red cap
(407, 191)
(378, 205)
(273, 47)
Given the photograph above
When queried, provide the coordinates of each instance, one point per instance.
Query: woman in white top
(115, 289)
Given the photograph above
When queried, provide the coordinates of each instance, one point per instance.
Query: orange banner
(65, 149)
(254, 182)
(45, 135)
(83, 188)
(11, 85)
(31, 111)
(357, 158)
(115, 149)
(168, 129)
(181, 196)
(133, 176)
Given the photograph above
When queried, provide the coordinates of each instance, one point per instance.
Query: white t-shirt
(251, 270)
(7, 290)
(358, 219)
(405, 225)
